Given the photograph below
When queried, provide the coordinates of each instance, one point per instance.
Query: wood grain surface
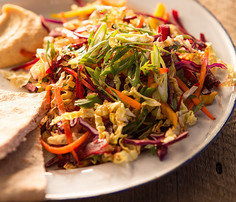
(211, 176)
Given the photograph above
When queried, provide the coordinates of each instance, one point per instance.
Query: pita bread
(20, 113)
(22, 175)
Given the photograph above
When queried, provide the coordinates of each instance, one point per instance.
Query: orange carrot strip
(68, 148)
(60, 103)
(195, 100)
(140, 22)
(66, 124)
(48, 97)
(163, 70)
(133, 103)
(202, 76)
(203, 72)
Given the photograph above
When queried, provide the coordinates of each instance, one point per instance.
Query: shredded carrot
(140, 22)
(195, 100)
(60, 104)
(66, 124)
(133, 103)
(202, 76)
(68, 148)
(163, 70)
(169, 113)
(27, 54)
(81, 11)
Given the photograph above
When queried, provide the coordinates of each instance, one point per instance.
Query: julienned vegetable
(121, 82)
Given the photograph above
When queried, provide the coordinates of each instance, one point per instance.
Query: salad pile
(121, 82)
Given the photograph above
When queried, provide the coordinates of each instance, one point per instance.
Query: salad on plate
(120, 82)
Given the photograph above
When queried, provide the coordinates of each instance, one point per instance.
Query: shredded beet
(202, 37)
(31, 87)
(178, 22)
(127, 19)
(162, 152)
(164, 30)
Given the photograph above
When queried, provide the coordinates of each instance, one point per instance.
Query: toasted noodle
(25, 179)
(20, 113)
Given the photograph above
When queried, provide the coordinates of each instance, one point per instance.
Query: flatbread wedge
(22, 176)
(20, 113)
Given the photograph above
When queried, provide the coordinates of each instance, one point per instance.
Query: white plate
(108, 178)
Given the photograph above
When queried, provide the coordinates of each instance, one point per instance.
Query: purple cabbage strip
(127, 19)
(180, 137)
(189, 65)
(44, 23)
(92, 130)
(192, 66)
(222, 66)
(53, 21)
(157, 142)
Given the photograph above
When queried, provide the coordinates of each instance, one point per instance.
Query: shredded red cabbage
(98, 146)
(192, 66)
(157, 142)
(44, 23)
(53, 21)
(180, 137)
(85, 124)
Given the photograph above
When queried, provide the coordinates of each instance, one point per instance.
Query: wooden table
(212, 175)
